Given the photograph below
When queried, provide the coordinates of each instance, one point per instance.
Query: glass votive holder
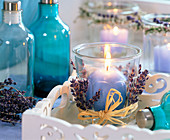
(93, 56)
(106, 67)
(156, 46)
(110, 21)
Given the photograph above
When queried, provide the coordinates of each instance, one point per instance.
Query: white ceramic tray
(43, 123)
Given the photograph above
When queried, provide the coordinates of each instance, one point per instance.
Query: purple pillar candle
(105, 80)
(162, 58)
(114, 35)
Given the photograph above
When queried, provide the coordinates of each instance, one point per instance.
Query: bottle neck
(48, 10)
(12, 17)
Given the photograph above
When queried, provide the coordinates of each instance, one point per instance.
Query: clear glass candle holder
(106, 67)
(92, 56)
(156, 46)
(108, 21)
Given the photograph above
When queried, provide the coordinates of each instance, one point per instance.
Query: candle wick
(107, 68)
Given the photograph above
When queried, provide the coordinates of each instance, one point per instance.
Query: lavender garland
(165, 28)
(98, 18)
(133, 20)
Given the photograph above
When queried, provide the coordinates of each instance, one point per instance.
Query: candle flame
(115, 30)
(168, 46)
(107, 27)
(106, 50)
(109, 4)
(107, 55)
(115, 11)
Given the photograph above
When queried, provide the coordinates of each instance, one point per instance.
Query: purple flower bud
(136, 13)
(155, 20)
(165, 24)
(136, 21)
(158, 21)
(72, 90)
(99, 14)
(129, 17)
(111, 15)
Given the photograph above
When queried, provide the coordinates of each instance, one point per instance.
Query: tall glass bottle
(52, 48)
(16, 48)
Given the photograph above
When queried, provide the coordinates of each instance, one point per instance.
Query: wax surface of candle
(162, 58)
(105, 80)
(114, 35)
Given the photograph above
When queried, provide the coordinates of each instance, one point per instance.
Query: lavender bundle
(12, 102)
(136, 85)
(79, 89)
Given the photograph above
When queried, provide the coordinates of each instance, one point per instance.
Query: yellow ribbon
(109, 114)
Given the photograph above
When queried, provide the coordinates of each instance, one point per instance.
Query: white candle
(114, 35)
(162, 58)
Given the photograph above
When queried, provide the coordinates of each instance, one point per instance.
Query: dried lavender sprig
(12, 102)
(13, 121)
(79, 89)
(72, 63)
(136, 85)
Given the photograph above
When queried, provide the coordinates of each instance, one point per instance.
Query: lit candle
(162, 58)
(109, 4)
(105, 79)
(115, 34)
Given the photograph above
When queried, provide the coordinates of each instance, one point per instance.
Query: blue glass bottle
(156, 117)
(16, 48)
(161, 113)
(52, 48)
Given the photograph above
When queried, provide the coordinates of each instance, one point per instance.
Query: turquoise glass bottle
(161, 113)
(156, 117)
(52, 48)
(16, 48)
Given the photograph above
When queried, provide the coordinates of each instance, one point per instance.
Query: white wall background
(69, 11)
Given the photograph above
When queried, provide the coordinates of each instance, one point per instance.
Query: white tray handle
(153, 80)
(152, 85)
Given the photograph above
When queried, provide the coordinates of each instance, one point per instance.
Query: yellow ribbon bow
(109, 114)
